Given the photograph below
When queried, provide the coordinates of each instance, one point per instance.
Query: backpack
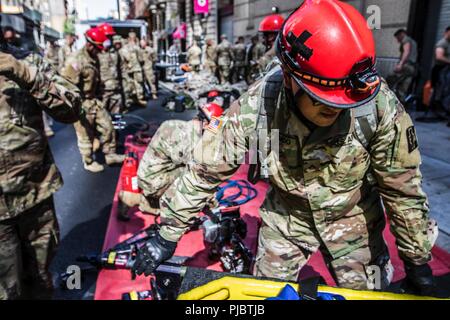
(366, 123)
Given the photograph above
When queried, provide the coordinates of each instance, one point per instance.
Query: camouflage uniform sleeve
(72, 71)
(160, 161)
(154, 56)
(57, 96)
(232, 55)
(217, 156)
(123, 65)
(395, 160)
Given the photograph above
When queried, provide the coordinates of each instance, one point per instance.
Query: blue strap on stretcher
(289, 293)
(245, 191)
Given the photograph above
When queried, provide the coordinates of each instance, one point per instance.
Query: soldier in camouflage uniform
(257, 51)
(67, 49)
(82, 69)
(344, 145)
(405, 71)
(124, 78)
(225, 57)
(110, 74)
(130, 52)
(240, 65)
(167, 156)
(29, 232)
(194, 54)
(269, 28)
(149, 58)
(210, 57)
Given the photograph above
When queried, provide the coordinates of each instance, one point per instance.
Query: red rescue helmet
(107, 29)
(213, 94)
(96, 37)
(326, 47)
(271, 23)
(211, 110)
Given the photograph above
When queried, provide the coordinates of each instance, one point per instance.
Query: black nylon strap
(308, 288)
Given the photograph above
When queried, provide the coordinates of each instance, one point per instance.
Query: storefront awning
(14, 21)
(51, 33)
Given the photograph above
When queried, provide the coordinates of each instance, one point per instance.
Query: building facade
(36, 21)
(425, 21)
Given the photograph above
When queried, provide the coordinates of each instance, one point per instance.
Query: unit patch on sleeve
(412, 139)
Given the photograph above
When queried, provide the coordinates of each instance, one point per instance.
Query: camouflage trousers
(400, 82)
(127, 93)
(27, 245)
(112, 101)
(137, 85)
(279, 258)
(211, 67)
(151, 79)
(224, 73)
(95, 123)
(239, 73)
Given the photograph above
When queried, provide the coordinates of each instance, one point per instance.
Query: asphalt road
(83, 205)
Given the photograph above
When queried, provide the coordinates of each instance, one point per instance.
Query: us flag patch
(214, 125)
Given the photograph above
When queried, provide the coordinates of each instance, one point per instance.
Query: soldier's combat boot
(114, 158)
(142, 103)
(94, 167)
(130, 199)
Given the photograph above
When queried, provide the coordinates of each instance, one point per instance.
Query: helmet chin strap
(292, 85)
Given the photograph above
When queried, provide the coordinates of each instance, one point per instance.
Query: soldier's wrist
(25, 76)
(172, 234)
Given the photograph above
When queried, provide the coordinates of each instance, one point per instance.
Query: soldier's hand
(154, 252)
(15, 70)
(398, 68)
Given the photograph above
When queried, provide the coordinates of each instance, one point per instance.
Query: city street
(434, 140)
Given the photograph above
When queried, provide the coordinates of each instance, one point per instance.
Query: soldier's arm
(124, 66)
(217, 157)
(406, 53)
(57, 96)
(158, 163)
(154, 56)
(395, 161)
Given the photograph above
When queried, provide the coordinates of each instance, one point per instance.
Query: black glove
(421, 279)
(154, 252)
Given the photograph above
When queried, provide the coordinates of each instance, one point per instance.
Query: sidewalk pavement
(434, 144)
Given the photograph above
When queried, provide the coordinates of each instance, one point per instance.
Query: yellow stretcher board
(231, 288)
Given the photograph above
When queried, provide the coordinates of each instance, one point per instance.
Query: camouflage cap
(117, 39)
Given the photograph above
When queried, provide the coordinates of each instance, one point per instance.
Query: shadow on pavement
(84, 239)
